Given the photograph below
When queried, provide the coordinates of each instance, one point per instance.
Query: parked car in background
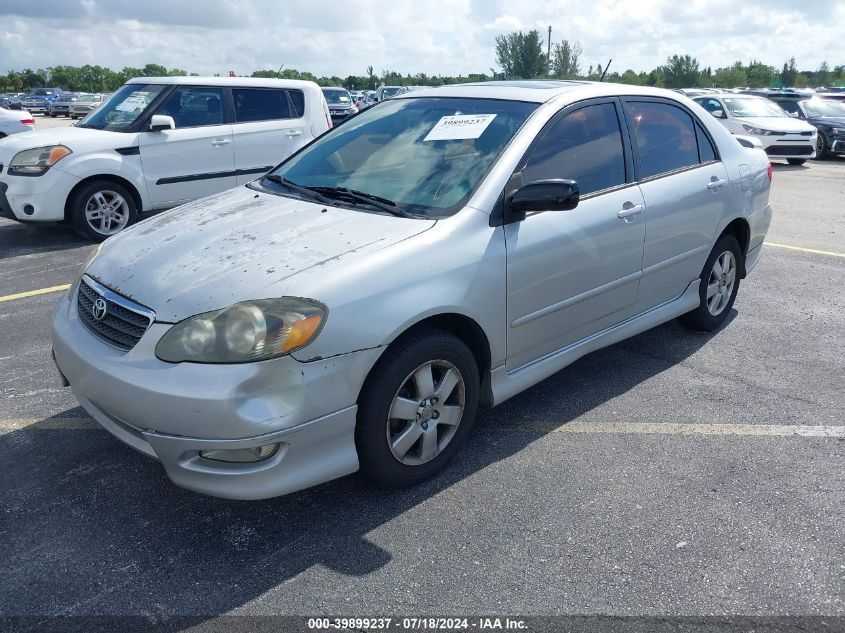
(828, 117)
(158, 142)
(85, 104)
(15, 121)
(385, 92)
(61, 106)
(11, 100)
(834, 96)
(696, 92)
(38, 100)
(781, 136)
(451, 248)
(341, 106)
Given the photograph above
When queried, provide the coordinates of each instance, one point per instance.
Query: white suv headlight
(35, 162)
(758, 131)
(245, 332)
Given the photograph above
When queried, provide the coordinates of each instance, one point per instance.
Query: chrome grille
(124, 321)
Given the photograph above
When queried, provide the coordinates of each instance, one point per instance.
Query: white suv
(156, 143)
(780, 135)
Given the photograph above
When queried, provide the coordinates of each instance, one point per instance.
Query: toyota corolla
(446, 248)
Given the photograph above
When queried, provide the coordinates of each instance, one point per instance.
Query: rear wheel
(101, 209)
(796, 161)
(719, 283)
(416, 408)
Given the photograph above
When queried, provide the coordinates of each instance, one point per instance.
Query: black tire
(701, 318)
(77, 203)
(821, 147)
(53, 115)
(407, 353)
(796, 161)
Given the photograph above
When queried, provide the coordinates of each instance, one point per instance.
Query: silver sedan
(446, 248)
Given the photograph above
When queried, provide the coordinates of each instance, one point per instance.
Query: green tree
(565, 60)
(731, 76)
(789, 72)
(823, 75)
(520, 55)
(760, 75)
(680, 72)
(629, 77)
(371, 78)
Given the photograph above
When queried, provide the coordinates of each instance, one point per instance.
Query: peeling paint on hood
(235, 246)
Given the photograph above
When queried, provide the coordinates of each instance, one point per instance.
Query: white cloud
(432, 36)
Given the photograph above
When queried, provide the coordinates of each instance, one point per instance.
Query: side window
(789, 106)
(194, 106)
(585, 146)
(260, 104)
(665, 137)
(297, 97)
(706, 151)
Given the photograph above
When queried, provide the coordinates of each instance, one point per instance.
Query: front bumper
(789, 146)
(837, 144)
(174, 411)
(37, 198)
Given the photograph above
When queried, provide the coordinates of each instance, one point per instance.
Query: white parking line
(802, 249)
(658, 428)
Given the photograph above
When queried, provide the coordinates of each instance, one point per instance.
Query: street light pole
(549, 53)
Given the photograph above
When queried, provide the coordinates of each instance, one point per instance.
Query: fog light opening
(242, 455)
(28, 209)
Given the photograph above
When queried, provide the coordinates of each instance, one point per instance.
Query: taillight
(28, 121)
(769, 171)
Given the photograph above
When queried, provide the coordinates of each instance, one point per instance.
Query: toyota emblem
(99, 309)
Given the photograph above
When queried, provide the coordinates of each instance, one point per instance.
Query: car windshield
(389, 92)
(87, 98)
(751, 107)
(125, 107)
(819, 107)
(336, 96)
(426, 155)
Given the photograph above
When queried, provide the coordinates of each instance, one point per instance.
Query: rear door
(573, 273)
(197, 158)
(685, 187)
(269, 126)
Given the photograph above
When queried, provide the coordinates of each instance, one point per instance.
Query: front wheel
(796, 161)
(101, 209)
(821, 147)
(416, 408)
(719, 283)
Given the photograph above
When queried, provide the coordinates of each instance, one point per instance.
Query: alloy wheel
(720, 286)
(425, 412)
(107, 212)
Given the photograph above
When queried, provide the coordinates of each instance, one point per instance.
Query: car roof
(538, 91)
(237, 82)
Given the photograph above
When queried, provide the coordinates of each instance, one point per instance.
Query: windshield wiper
(304, 191)
(378, 202)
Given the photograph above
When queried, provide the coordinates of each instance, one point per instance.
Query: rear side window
(257, 104)
(586, 146)
(706, 151)
(665, 136)
(297, 98)
(194, 106)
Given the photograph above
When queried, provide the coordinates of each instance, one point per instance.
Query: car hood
(829, 121)
(72, 137)
(777, 124)
(240, 245)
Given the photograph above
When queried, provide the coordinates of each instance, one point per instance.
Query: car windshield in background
(336, 96)
(745, 107)
(125, 107)
(426, 155)
(88, 99)
(818, 107)
(389, 92)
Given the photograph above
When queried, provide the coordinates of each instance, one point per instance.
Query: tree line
(519, 55)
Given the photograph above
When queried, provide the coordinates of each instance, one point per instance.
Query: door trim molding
(677, 258)
(213, 174)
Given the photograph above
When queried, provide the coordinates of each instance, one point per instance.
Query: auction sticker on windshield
(132, 102)
(460, 127)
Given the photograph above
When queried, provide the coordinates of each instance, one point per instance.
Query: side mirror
(719, 114)
(794, 115)
(546, 195)
(161, 122)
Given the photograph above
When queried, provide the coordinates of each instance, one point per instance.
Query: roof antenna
(605, 69)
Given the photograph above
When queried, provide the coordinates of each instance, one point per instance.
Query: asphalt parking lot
(672, 474)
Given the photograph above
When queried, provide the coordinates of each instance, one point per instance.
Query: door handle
(220, 141)
(714, 185)
(292, 133)
(630, 211)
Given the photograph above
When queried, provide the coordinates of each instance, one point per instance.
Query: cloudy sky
(449, 37)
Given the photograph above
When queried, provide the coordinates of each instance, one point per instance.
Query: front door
(573, 273)
(197, 158)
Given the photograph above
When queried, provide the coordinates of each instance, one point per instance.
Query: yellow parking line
(805, 250)
(34, 293)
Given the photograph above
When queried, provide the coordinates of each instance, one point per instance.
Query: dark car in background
(827, 116)
(11, 100)
(61, 106)
(39, 99)
(341, 105)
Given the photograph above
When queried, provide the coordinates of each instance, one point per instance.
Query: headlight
(244, 333)
(34, 162)
(757, 130)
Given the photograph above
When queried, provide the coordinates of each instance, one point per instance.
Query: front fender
(110, 163)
